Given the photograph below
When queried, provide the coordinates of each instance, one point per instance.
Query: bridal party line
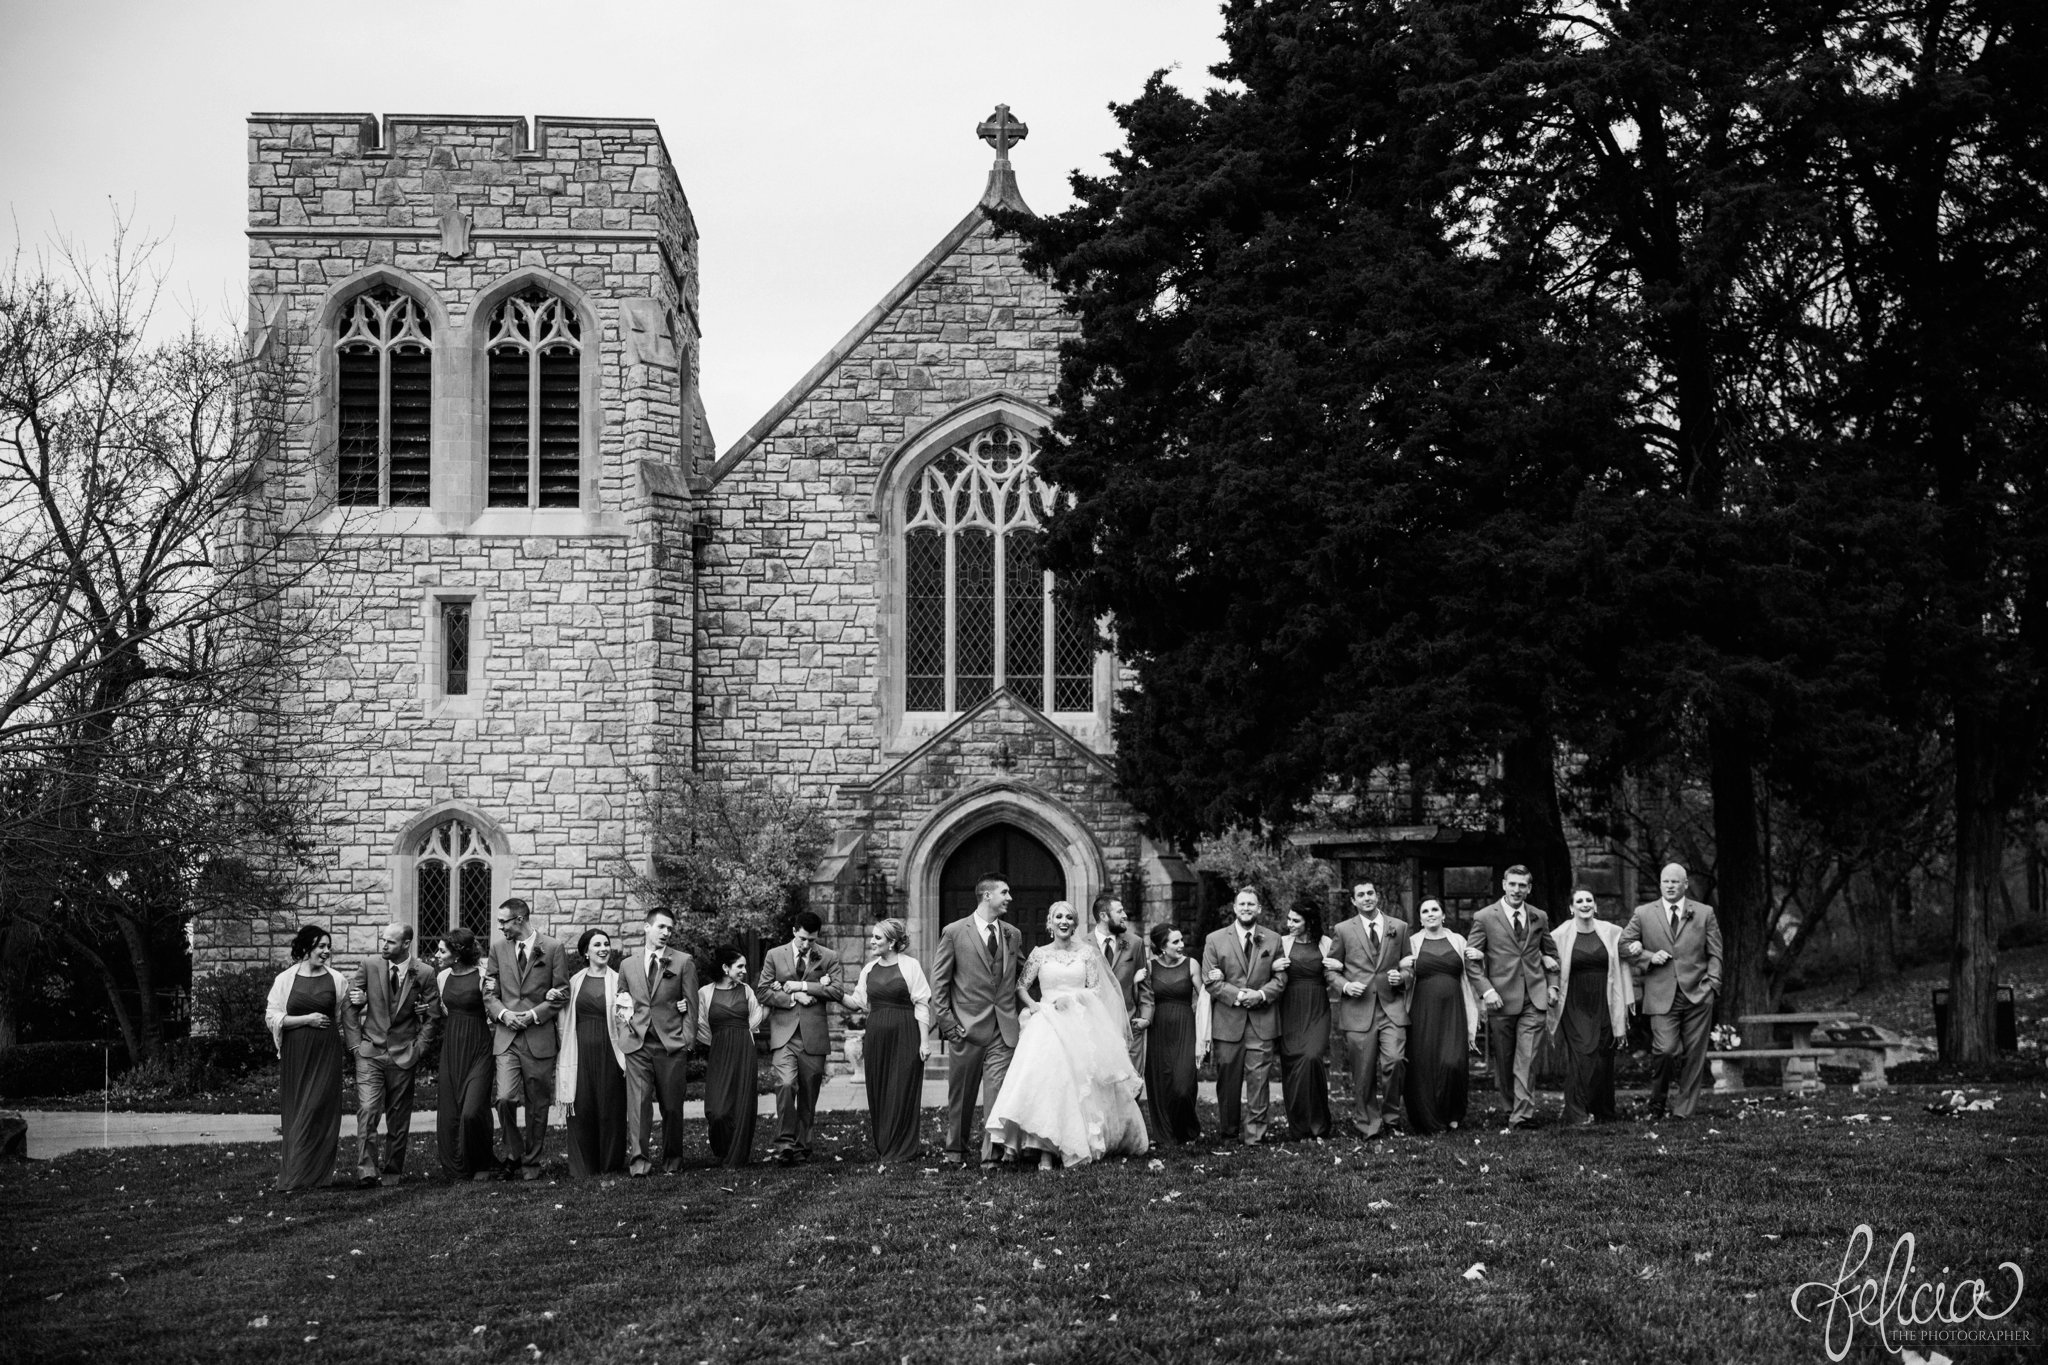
(1084, 1048)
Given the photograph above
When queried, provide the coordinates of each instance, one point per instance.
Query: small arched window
(979, 609)
(536, 402)
(453, 872)
(385, 401)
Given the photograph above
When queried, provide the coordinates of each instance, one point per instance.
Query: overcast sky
(824, 147)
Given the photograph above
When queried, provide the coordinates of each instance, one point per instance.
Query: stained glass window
(455, 649)
(384, 401)
(979, 610)
(535, 385)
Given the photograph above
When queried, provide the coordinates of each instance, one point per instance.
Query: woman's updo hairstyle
(306, 940)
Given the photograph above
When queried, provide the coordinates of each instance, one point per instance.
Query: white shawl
(565, 1035)
(1565, 936)
(1457, 942)
(913, 978)
(281, 994)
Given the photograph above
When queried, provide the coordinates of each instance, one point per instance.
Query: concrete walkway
(53, 1132)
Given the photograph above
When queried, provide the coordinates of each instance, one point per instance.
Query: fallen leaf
(1476, 1271)
(260, 1321)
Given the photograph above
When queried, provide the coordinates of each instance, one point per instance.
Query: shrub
(230, 1004)
(29, 1069)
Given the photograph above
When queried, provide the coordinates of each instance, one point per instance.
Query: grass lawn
(1670, 1242)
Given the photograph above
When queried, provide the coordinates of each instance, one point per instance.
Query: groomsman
(974, 1003)
(1238, 974)
(1372, 1008)
(1123, 948)
(1507, 940)
(796, 980)
(396, 1006)
(1679, 941)
(657, 991)
(526, 981)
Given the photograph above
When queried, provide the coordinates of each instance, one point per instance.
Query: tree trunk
(1740, 902)
(149, 1022)
(1968, 1039)
(1871, 910)
(130, 1038)
(1531, 818)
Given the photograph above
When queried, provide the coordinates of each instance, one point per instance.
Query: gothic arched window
(536, 401)
(453, 872)
(979, 610)
(385, 400)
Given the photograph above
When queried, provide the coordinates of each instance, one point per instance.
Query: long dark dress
(1588, 1035)
(309, 1087)
(1437, 1039)
(1304, 1043)
(895, 1073)
(730, 1077)
(1170, 1053)
(597, 1123)
(462, 1120)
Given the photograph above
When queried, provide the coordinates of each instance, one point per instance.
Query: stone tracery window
(536, 402)
(453, 872)
(979, 610)
(384, 401)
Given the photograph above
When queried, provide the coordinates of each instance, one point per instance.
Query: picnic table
(1798, 1053)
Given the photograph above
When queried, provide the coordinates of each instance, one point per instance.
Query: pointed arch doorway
(1003, 850)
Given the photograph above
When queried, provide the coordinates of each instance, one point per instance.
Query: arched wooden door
(1005, 851)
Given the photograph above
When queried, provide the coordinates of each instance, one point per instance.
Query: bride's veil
(1106, 988)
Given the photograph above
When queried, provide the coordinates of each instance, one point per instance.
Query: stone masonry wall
(583, 617)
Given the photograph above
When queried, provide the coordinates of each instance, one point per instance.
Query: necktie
(394, 983)
(803, 964)
(522, 959)
(1247, 950)
(1372, 936)
(989, 941)
(1109, 951)
(1521, 927)
(1676, 912)
(653, 969)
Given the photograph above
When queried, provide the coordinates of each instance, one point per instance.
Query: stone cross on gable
(1002, 132)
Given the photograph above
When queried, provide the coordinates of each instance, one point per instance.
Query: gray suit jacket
(1352, 945)
(785, 1016)
(1223, 951)
(392, 1029)
(546, 968)
(973, 999)
(1694, 970)
(663, 1013)
(1514, 970)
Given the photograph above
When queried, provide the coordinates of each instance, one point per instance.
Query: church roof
(1000, 130)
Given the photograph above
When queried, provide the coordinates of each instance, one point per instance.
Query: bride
(1071, 1089)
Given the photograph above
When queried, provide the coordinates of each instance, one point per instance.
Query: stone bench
(1801, 1075)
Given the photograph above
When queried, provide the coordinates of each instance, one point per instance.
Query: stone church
(548, 584)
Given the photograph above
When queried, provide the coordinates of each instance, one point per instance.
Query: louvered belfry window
(536, 397)
(384, 374)
(979, 611)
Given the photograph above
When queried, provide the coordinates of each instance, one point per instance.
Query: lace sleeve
(1031, 966)
(1090, 965)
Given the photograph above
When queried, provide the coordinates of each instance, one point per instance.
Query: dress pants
(1679, 1045)
(973, 1065)
(798, 1077)
(1244, 1085)
(383, 1091)
(521, 1075)
(653, 1073)
(1375, 1057)
(1511, 1043)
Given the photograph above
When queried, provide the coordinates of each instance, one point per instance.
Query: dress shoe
(366, 1182)
(388, 1181)
(529, 1172)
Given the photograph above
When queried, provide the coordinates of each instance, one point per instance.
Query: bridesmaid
(893, 993)
(590, 1066)
(727, 1015)
(1591, 1012)
(1304, 1025)
(1178, 1039)
(1443, 1019)
(308, 1019)
(462, 1120)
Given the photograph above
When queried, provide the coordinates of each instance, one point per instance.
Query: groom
(974, 996)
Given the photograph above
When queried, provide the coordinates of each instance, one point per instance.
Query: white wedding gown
(1071, 1088)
